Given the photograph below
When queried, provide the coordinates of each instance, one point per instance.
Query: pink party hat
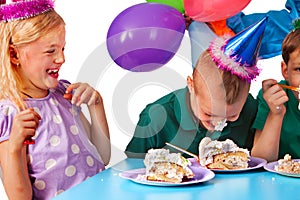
(239, 54)
(22, 9)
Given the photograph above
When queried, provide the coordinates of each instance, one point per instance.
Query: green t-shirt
(290, 131)
(170, 119)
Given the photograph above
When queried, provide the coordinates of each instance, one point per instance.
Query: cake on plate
(287, 165)
(223, 155)
(161, 165)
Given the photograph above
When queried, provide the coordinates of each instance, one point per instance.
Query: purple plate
(254, 163)
(271, 168)
(138, 176)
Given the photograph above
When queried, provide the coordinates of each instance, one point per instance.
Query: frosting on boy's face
(209, 104)
(215, 96)
(214, 112)
(220, 125)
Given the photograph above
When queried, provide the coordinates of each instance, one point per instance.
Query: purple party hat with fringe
(239, 54)
(22, 9)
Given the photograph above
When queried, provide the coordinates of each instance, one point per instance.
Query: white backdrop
(125, 93)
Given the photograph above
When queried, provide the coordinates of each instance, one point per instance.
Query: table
(255, 184)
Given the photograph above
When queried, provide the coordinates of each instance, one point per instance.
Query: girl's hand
(275, 96)
(24, 126)
(79, 93)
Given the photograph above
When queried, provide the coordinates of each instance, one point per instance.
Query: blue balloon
(200, 36)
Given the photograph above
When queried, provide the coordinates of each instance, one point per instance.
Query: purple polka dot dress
(62, 155)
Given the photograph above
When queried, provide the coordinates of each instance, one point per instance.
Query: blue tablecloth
(254, 184)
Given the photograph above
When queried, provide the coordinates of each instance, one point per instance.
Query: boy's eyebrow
(210, 114)
(205, 111)
(295, 62)
(214, 115)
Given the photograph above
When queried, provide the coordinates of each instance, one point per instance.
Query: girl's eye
(298, 69)
(50, 51)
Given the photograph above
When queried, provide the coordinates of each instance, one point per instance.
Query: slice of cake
(161, 165)
(287, 165)
(224, 155)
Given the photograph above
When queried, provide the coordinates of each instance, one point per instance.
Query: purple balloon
(145, 36)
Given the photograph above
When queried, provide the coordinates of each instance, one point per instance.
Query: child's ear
(284, 70)
(14, 56)
(190, 84)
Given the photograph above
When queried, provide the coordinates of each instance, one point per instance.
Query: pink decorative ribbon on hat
(17, 9)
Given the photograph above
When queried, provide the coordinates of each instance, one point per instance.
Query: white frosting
(220, 125)
(208, 148)
(163, 155)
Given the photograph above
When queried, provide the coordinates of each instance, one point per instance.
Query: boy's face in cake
(212, 110)
(209, 104)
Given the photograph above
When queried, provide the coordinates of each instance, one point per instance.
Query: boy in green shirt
(216, 95)
(277, 122)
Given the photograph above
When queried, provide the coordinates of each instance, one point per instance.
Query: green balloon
(177, 4)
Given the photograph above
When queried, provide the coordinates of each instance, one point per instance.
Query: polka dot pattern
(73, 111)
(57, 119)
(74, 130)
(70, 171)
(55, 140)
(53, 102)
(40, 184)
(50, 163)
(75, 148)
(60, 156)
(90, 161)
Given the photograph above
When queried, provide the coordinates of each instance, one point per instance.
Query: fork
(183, 150)
(297, 89)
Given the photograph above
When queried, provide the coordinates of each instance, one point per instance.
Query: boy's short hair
(290, 43)
(232, 84)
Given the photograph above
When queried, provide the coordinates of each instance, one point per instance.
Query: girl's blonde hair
(21, 32)
(231, 83)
